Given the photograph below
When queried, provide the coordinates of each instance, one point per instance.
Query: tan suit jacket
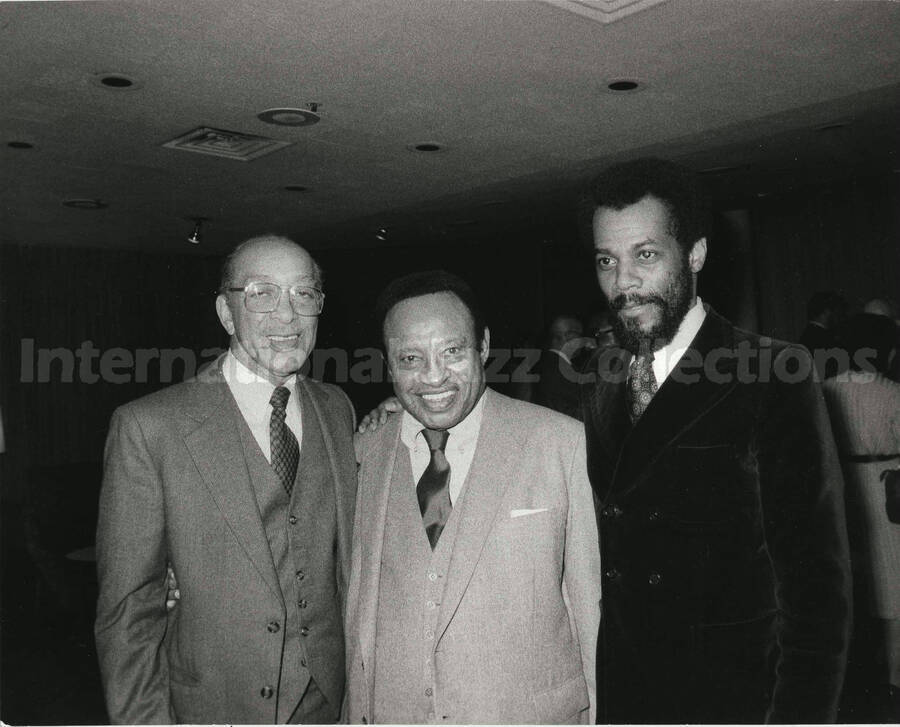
(527, 537)
(177, 489)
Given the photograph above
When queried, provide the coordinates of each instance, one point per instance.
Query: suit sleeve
(581, 574)
(803, 507)
(131, 563)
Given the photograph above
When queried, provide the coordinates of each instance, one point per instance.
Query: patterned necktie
(433, 489)
(285, 450)
(641, 385)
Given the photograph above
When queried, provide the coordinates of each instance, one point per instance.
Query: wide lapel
(318, 397)
(217, 451)
(685, 396)
(489, 476)
(606, 416)
(370, 540)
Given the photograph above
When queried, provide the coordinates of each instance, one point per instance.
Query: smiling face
(274, 345)
(644, 273)
(435, 358)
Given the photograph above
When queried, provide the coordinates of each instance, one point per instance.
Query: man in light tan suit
(242, 479)
(475, 576)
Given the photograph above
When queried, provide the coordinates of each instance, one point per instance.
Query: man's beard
(673, 305)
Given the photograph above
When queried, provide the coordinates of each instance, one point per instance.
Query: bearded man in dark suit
(726, 590)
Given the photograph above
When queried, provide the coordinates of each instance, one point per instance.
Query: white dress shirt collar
(460, 449)
(252, 393)
(666, 359)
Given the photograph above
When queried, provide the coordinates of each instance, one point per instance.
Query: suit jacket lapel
(606, 421)
(372, 527)
(685, 396)
(489, 477)
(219, 455)
(317, 397)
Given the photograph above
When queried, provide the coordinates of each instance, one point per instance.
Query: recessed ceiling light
(624, 85)
(85, 204)
(115, 81)
(295, 188)
(426, 146)
(290, 116)
(19, 145)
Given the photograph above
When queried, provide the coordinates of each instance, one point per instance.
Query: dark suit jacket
(726, 589)
(176, 488)
(558, 385)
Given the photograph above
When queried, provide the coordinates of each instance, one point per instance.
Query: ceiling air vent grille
(228, 144)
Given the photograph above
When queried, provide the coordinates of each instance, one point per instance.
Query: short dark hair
(677, 187)
(226, 277)
(823, 301)
(427, 282)
(867, 333)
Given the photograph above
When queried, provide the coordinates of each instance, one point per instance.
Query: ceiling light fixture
(197, 235)
(85, 204)
(625, 85)
(426, 146)
(115, 81)
(291, 116)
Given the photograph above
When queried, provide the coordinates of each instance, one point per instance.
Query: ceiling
(514, 92)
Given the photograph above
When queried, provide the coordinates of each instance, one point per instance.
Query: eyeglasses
(265, 297)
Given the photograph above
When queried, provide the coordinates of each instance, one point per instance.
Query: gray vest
(302, 535)
(410, 592)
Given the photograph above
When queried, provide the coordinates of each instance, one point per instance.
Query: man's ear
(485, 345)
(697, 255)
(224, 313)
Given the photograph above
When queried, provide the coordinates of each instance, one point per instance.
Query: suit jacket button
(266, 692)
(304, 631)
(292, 519)
(653, 516)
(654, 578)
(302, 603)
(273, 627)
(611, 574)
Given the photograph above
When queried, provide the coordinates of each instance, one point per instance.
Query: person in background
(244, 480)
(865, 413)
(558, 385)
(475, 577)
(889, 309)
(825, 313)
(726, 587)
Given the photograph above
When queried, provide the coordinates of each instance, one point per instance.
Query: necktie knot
(436, 438)
(279, 398)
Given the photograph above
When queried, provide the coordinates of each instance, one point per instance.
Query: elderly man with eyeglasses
(243, 480)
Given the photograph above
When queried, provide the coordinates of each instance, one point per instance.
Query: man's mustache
(622, 300)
